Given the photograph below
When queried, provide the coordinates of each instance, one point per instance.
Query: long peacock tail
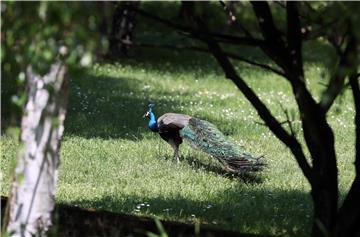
(205, 136)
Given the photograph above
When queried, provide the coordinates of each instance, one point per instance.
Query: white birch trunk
(33, 189)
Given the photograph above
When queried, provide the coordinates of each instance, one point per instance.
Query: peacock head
(148, 112)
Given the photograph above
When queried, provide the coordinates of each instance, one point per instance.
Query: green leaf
(47, 54)
(160, 228)
(19, 100)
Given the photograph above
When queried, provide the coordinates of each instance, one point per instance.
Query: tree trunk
(325, 209)
(33, 189)
(122, 32)
(324, 183)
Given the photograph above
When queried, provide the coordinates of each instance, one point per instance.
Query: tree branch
(266, 23)
(260, 107)
(336, 83)
(206, 50)
(294, 38)
(262, 110)
(288, 120)
(219, 37)
(237, 23)
(275, 45)
(230, 39)
(313, 119)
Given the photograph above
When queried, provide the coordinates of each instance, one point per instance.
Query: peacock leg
(176, 154)
(175, 147)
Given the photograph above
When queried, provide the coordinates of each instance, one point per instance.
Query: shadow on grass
(279, 212)
(107, 107)
(74, 221)
(248, 178)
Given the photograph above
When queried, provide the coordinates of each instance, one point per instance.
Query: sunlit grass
(110, 161)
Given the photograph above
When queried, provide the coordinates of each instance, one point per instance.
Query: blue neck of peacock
(152, 123)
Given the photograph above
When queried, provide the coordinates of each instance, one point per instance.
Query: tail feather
(206, 137)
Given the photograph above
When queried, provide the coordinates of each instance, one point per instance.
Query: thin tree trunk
(33, 190)
(123, 26)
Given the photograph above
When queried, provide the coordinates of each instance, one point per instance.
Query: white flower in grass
(167, 210)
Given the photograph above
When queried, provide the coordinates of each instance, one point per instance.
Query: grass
(111, 161)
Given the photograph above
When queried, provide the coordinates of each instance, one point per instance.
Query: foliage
(38, 34)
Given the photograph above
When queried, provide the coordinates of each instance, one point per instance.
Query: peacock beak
(146, 115)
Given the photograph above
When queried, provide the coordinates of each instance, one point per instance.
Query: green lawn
(111, 161)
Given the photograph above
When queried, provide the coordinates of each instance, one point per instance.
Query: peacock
(201, 134)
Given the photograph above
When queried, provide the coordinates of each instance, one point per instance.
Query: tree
(334, 22)
(43, 44)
